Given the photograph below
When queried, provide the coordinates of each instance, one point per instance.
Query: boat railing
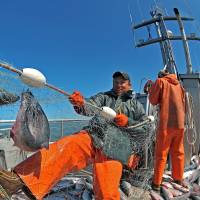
(58, 127)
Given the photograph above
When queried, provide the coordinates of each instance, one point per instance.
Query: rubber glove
(147, 86)
(121, 120)
(76, 99)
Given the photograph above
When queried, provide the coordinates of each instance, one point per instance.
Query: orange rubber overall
(170, 140)
(44, 169)
(170, 96)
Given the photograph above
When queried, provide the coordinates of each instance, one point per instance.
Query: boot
(155, 187)
(10, 182)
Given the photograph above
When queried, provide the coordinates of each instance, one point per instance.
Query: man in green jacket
(105, 143)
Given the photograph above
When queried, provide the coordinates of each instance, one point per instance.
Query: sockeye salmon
(30, 131)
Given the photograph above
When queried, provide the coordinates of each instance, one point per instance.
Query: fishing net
(134, 182)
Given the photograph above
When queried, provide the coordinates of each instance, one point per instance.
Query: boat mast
(165, 45)
(165, 36)
(185, 43)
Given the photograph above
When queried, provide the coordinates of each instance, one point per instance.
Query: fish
(171, 189)
(183, 197)
(122, 195)
(166, 193)
(196, 187)
(126, 187)
(7, 97)
(167, 185)
(194, 176)
(155, 196)
(167, 178)
(175, 192)
(180, 188)
(30, 131)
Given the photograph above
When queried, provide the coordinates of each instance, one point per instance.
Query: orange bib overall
(44, 169)
(170, 96)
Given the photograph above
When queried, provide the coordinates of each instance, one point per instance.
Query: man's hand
(147, 86)
(121, 120)
(76, 99)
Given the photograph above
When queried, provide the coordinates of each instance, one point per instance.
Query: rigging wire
(132, 23)
(130, 15)
(189, 10)
(140, 10)
(155, 2)
(159, 4)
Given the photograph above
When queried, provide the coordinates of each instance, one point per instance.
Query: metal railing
(61, 123)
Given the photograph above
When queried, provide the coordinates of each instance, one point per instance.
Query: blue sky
(78, 44)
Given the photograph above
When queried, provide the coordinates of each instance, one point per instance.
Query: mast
(165, 45)
(185, 43)
(189, 80)
(165, 36)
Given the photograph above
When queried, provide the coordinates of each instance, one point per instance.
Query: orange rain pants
(170, 140)
(170, 96)
(44, 169)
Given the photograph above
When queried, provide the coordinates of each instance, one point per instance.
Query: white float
(33, 77)
(107, 113)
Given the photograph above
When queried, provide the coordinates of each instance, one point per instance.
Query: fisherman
(168, 93)
(40, 172)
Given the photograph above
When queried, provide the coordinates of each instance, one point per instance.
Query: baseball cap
(123, 74)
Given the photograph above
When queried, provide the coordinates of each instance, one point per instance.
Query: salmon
(155, 196)
(30, 131)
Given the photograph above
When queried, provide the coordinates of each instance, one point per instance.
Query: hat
(123, 74)
(162, 73)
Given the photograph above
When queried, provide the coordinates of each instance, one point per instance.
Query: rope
(4, 194)
(190, 119)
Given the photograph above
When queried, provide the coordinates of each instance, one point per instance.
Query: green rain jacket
(99, 127)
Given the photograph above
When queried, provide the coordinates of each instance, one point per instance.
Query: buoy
(151, 118)
(33, 77)
(108, 113)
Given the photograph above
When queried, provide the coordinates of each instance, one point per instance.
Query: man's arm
(154, 92)
(87, 110)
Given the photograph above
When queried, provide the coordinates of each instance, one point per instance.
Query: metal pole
(10, 68)
(185, 43)
(62, 128)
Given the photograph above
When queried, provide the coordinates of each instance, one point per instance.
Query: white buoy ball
(33, 77)
(108, 113)
(151, 118)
